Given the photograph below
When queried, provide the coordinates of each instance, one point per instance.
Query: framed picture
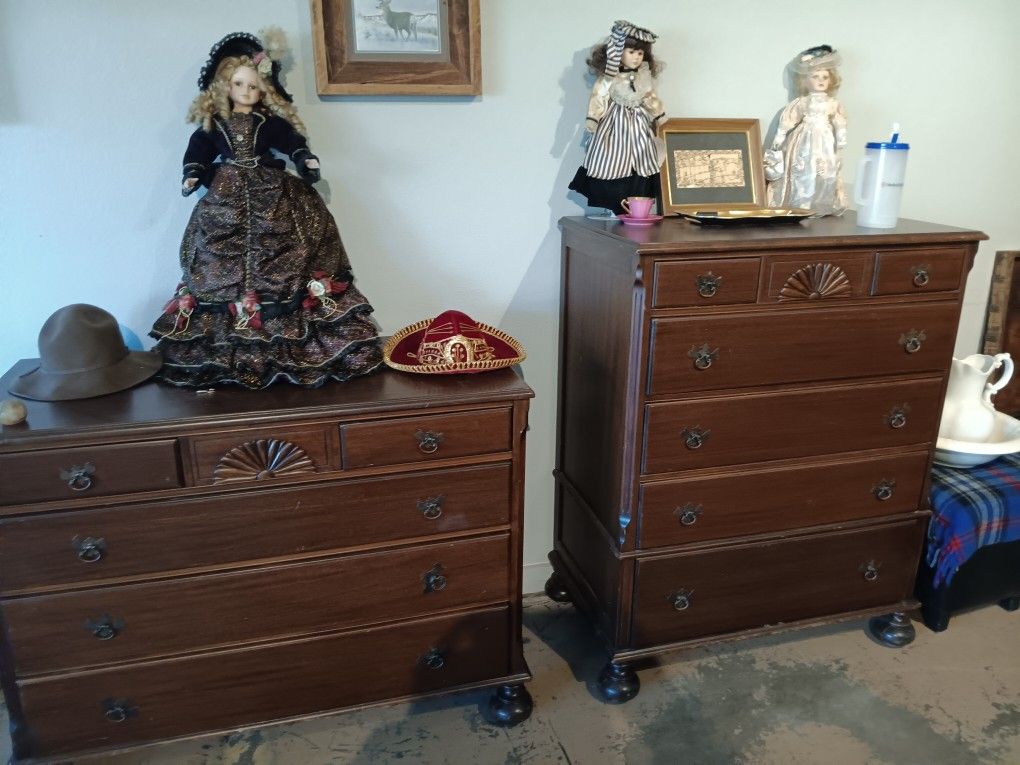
(397, 47)
(1002, 322)
(712, 165)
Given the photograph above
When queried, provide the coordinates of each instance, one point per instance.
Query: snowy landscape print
(397, 26)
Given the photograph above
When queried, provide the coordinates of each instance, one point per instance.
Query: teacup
(638, 207)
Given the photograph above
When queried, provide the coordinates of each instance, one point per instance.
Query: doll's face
(632, 58)
(244, 88)
(818, 81)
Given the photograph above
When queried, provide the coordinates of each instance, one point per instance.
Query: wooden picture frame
(1002, 322)
(711, 165)
(419, 48)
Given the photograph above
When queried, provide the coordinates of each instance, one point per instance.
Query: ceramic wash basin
(1004, 439)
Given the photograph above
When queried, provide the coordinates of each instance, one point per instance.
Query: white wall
(454, 202)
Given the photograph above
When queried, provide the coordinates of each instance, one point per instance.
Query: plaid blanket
(972, 507)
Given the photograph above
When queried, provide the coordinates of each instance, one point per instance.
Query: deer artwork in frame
(397, 47)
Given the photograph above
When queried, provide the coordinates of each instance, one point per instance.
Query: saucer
(629, 221)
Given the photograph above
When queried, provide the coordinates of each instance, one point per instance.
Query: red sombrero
(451, 342)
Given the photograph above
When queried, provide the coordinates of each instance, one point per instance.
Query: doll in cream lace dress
(804, 164)
(624, 155)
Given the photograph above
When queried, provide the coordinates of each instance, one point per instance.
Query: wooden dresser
(746, 422)
(175, 563)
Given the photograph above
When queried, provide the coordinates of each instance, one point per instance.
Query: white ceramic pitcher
(968, 414)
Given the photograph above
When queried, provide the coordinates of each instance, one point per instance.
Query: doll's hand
(312, 164)
(189, 185)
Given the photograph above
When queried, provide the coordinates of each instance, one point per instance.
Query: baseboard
(535, 575)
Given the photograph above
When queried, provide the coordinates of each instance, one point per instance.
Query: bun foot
(618, 683)
(893, 629)
(509, 705)
(555, 590)
(1010, 604)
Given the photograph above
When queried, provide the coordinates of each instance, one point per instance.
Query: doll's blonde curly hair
(214, 101)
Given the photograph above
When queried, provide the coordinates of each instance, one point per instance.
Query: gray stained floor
(822, 695)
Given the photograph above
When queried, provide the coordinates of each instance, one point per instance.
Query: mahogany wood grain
(255, 685)
(770, 347)
(174, 536)
(747, 586)
(793, 423)
(899, 272)
(782, 269)
(735, 280)
(318, 442)
(119, 469)
(56, 632)
(748, 502)
(406, 439)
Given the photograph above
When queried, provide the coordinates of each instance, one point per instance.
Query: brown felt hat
(82, 355)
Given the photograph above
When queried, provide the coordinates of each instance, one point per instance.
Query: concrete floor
(823, 695)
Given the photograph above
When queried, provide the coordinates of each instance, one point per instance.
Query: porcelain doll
(624, 155)
(804, 163)
(266, 293)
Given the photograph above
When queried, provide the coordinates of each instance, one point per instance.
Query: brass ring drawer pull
(703, 356)
(432, 507)
(681, 600)
(90, 549)
(688, 514)
(707, 284)
(884, 490)
(870, 571)
(912, 340)
(694, 438)
(897, 418)
(434, 659)
(433, 579)
(79, 477)
(921, 276)
(105, 627)
(118, 710)
(428, 442)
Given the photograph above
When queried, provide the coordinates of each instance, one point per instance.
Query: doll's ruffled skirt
(264, 231)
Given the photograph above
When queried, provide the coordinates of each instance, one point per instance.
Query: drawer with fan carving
(717, 506)
(254, 685)
(88, 547)
(109, 625)
(739, 587)
(707, 432)
(726, 351)
(88, 471)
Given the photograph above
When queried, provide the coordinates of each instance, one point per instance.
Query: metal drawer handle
(911, 341)
(79, 477)
(921, 275)
(694, 438)
(431, 507)
(708, 284)
(428, 442)
(884, 490)
(434, 659)
(105, 627)
(118, 710)
(89, 549)
(434, 579)
(897, 418)
(681, 599)
(703, 356)
(870, 571)
(688, 514)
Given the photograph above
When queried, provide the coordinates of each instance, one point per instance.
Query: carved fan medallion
(257, 460)
(813, 282)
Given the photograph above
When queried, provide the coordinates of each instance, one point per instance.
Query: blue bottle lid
(882, 145)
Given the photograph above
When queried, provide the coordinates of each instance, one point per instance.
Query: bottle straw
(895, 133)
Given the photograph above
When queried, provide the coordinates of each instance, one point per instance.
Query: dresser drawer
(686, 596)
(417, 439)
(723, 352)
(779, 499)
(250, 686)
(147, 539)
(818, 276)
(56, 474)
(918, 271)
(767, 426)
(254, 454)
(705, 282)
(116, 624)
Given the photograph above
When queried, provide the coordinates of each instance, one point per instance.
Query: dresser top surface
(674, 234)
(154, 404)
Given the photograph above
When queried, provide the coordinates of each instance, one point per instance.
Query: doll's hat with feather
(621, 31)
(818, 57)
(246, 44)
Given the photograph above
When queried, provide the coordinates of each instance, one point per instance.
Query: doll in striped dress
(624, 155)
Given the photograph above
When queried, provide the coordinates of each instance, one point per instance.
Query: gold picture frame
(711, 165)
(397, 47)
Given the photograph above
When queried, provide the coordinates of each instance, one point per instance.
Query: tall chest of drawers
(746, 422)
(174, 563)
